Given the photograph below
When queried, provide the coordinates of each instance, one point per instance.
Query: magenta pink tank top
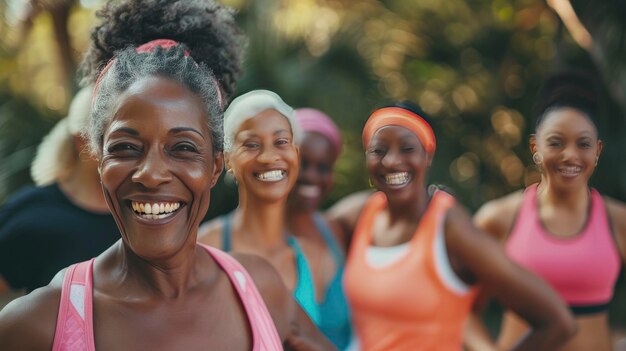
(74, 329)
(583, 268)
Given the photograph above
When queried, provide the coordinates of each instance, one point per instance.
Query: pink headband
(149, 47)
(312, 120)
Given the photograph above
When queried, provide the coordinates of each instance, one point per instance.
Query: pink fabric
(75, 333)
(312, 120)
(583, 269)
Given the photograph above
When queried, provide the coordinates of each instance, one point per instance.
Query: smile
(570, 171)
(399, 178)
(271, 176)
(309, 190)
(157, 210)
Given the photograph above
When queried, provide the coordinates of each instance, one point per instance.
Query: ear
(599, 148)
(532, 142)
(218, 166)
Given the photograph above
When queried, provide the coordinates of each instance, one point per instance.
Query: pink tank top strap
(74, 328)
(263, 329)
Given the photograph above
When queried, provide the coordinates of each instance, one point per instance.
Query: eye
(123, 148)
(376, 151)
(324, 168)
(185, 147)
(407, 149)
(282, 142)
(251, 145)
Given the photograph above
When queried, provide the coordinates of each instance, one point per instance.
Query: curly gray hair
(129, 66)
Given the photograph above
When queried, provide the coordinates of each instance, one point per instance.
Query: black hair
(205, 26)
(567, 88)
(412, 107)
(172, 63)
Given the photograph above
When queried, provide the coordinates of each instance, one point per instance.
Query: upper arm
(516, 288)
(294, 326)
(617, 216)
(345, 212)
(28, 322)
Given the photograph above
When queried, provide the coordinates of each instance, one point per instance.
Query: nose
(570, 153)
(152, 170)
(390, 159)
(267, 155)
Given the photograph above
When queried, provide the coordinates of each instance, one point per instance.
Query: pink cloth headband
(312, 120)
(149, 47)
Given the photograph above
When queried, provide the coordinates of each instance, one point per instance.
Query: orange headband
(397, 116)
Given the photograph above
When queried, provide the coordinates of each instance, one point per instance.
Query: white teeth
(571, 170)
(397, 178)
(309, 190)
(155, 210)
(271, 176)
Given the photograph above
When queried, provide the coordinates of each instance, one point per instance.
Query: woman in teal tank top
(261, 152)
(319, 149)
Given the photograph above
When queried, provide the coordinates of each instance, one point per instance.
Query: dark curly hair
(206, 27)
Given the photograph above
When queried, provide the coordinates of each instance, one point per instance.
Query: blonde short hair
(56, 157)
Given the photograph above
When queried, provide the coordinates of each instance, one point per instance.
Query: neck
(168, 278)
(408, 212)
(300, 222)
(83, 188)
(550, 195)
(260, 223)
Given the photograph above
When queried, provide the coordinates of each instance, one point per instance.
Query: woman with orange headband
(416, 259)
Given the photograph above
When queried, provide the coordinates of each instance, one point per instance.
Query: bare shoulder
(272, 289)
(28, 322)
(496, 217)
(617, 216)
(210, 233)
(346, 211)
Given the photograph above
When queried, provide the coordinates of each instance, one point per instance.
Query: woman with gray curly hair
(156, 133)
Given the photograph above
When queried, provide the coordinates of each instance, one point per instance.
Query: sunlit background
(474, 66)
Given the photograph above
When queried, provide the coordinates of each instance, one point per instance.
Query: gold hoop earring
(369, 180)
(537, 158)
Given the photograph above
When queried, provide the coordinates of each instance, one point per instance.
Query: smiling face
(315, 178)
(264, 158)
(397, 163)
(158, 166)
(569, 147)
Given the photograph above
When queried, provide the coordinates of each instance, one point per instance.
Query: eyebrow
(177, 130)
(126, 130)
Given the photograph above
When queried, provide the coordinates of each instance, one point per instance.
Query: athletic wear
(74, 329)
(42, 232)
(583, 269)
(406, 305)
(334, 310)
(305, 289)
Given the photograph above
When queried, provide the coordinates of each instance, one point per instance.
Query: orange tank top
(405, 305)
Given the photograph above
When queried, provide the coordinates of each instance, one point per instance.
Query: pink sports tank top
(582, 269)
(74, 329)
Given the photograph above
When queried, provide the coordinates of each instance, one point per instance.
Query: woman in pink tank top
(561, 229)
(156, 132)
(416, 260)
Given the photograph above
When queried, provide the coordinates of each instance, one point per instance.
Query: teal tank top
(305, 289)
(334, 309)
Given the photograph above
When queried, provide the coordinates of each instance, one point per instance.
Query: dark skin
(315, 180)
(397, 164)
(568, 143)
(156, 288)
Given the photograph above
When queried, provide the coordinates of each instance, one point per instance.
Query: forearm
(476, 337)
